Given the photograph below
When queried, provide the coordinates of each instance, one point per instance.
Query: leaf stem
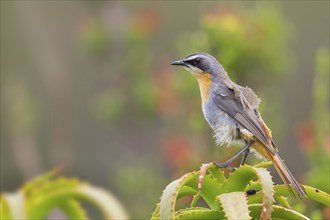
(195, 199)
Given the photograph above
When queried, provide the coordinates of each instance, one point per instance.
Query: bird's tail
(286, 176)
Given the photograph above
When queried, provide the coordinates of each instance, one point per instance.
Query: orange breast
(204, 81)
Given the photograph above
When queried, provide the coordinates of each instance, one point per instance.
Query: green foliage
(227, 197)
(95, 38)
(133, 89)
(37, 198)
(319, 153)
(314, 134)
(252, 43)
(108, 105)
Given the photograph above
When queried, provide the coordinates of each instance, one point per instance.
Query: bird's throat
(204, 81)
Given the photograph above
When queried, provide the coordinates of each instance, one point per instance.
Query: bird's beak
(179, 63)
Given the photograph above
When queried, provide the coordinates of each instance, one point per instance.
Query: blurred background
(88, 86)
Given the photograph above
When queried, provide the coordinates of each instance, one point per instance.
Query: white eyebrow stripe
(192, 57)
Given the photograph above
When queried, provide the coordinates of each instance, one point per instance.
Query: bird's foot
(225, 165)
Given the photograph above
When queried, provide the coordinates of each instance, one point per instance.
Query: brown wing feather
(246, 118)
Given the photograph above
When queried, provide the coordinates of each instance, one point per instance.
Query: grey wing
(250, 97)
(245, 117)
(246, 95)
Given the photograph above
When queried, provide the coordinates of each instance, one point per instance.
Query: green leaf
(12, 205)
(239, 179)
(267, 191)
(168, 198)
(5, 212)
(73, 210)
(38, 197)
(172, 192)
(39, 180)
(256, 198)
(198, 213)
(227, 197)
(234, 205)
(215, 173)
(278, 212)
(103, 200)
(312, 193)
(211, 188)
(283, 201)
(155, 215)
(263, 164)
(186, 191)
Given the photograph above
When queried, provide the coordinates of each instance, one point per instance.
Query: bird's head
(205, 68)
(200, 64)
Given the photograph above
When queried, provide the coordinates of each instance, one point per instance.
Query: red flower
(305, 135)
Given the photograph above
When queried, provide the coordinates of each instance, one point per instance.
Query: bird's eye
(197, 61)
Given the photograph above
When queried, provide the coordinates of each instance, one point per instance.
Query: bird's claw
(225, 165)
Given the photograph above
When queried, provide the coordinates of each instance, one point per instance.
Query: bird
(232, 112)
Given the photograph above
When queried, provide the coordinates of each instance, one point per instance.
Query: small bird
(232, 112)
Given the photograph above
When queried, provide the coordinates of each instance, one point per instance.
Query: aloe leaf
(14, 204)
(73, 210)
(5, 212)
(215, 173)
(186, 191)
(256, 198)
(104, 200)
(155, 215)
(278, 212)
(282, 191)
(210, 190)
(168, 198)
(312, 193)
(263, 164)
(171, 193)
(202, 173)
(234, 205)
(219, 193)
(267, 192)
(195, 199)
(42, 197)
(39, 206)
(198, 213)
(238, 181)
(256, 185)
(283, 201)
(40, 180)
